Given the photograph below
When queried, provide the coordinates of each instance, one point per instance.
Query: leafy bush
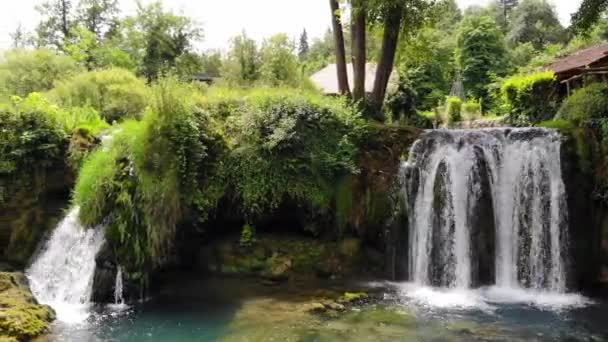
(247, 236)
(147, 175)
(30, 139)
(114, 93)
(472, 109)
(254, 150)
(287, 145)
(590, 102)
(453, 109)
(69, 119)
(26, 71)
(530, 98)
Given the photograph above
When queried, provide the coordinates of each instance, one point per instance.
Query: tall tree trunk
(392, 26)
(358, 48)
(340, 51)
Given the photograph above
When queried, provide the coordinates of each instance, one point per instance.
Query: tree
(303, 47)
(507, 6)
(19, 37)
(359, 58)
(481, 54)
(336, 20)
(427, 65)
(535, 21)
(279, 65)
(588, 14)
(242, 65)
(57, 23)
(157, 38)
(98, 16)
(320, 54)
(397, 16)
(212, 63)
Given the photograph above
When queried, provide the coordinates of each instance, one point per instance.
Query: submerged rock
(21, 317)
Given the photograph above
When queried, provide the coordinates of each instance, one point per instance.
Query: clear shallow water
(198, 309)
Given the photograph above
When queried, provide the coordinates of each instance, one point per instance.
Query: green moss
(21, 317)
(353, 296)
(344, 203)
(562, 125)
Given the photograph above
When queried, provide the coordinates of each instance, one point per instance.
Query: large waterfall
(487, 207)
(62, 274)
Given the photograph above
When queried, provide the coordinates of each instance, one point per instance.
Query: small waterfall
(62, 274)
(487, 207)
(118, 298)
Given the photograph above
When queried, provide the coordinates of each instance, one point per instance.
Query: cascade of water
(118, 298)
(62, 274)
(513, 176)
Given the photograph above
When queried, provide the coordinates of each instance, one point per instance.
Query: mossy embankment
(21, 317)
(191, 167)
(196, 168)
(584, 169)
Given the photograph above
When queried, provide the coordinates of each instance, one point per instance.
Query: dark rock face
(483, 228)
(32, 205)
(442, 250)
(579, 151)
(376, 215)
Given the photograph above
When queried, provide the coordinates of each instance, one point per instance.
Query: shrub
(147, 175)
(287, 146)
(530, 98)
(472, 109)
(30, 139)
(453, 109)
(590, 102)
(26, 71)
(114, 93)
(254, 150)
(69, 119)
(247, 236)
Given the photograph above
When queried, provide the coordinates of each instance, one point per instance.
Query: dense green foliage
(147, 174)
(588, 103)
(530, 98)
(453, 109)
(23, 71)
(535, 22)
(255, 150)
(31, 138)
(481, 55)
(114, 93)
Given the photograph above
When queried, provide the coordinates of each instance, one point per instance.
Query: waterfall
(62, 273)
(487, 207)
(118, 298)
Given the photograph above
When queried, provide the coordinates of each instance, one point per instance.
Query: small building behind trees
(326, 79)
(581, 67)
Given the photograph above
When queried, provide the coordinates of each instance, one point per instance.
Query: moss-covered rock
(280, 257)
(21, 317)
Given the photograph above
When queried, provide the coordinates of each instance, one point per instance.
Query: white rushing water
(62, 274)
(445, 179)
(118, 298)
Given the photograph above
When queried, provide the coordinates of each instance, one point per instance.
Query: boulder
(21, 317)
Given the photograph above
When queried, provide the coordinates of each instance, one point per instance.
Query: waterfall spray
(454, 177)
(62, 274)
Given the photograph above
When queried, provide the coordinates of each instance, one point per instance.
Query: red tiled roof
(580, 59)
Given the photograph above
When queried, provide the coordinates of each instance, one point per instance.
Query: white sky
(226, 18)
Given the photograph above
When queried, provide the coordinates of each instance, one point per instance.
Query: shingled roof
(326, 79)
(580, 59)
